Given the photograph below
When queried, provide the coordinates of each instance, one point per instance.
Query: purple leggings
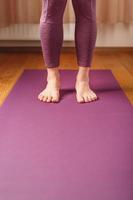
(51, 30)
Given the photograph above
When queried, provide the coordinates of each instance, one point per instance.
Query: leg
(85, 30)
(85, 38)
(51, 35)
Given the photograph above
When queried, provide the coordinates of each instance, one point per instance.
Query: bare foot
(51, 91)
(83, 90)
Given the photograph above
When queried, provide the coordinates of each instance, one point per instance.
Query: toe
(89, 98)
(55, 98)
(49, 99)
(94, 97)
(80, 99)
(93, 94)
(86, 99)
(44, 98)
(40, 96)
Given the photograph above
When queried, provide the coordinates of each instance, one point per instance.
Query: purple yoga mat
(66, 150)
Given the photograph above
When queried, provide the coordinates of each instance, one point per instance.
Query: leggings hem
(52, 66)
(84, 65)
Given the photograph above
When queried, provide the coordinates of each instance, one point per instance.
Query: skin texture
(51, 34)
(51, 30)
(51, 93)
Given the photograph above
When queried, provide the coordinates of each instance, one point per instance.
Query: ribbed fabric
(51, 30)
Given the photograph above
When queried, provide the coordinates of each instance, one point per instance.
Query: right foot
(51, 91)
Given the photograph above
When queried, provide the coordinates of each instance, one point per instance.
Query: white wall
(108, 35)
(117, 35)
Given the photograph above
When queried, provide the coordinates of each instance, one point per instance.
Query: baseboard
(64, 49)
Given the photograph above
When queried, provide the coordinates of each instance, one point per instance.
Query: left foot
(83, 90)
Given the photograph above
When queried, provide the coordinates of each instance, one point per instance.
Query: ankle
(83, 74)
(82, 77)
(53, 74)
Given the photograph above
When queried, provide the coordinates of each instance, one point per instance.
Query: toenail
(44, 99)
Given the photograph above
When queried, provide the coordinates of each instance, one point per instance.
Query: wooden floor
(13, 64)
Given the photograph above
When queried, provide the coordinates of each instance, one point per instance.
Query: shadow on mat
(68, 91)
(98, 91)
(106, 89)
(65, 92)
